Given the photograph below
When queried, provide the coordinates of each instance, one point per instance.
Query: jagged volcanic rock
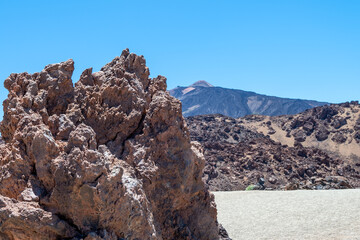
(238, 156)
(108, 158)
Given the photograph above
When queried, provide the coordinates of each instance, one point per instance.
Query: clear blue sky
(298, 49)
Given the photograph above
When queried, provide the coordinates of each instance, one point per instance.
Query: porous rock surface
(108, 158)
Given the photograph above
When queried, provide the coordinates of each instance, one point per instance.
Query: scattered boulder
(292, 186)
(299, 135)
(325, 112)
(272, 180)
(321, 134)
(339, 138)
(357, 136)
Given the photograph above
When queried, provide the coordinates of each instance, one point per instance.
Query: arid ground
(302, 214)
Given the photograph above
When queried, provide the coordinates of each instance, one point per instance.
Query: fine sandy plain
(303, 214)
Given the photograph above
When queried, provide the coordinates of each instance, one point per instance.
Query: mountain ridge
(200, 99)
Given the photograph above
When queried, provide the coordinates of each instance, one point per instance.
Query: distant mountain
(203, 98)
(201, 83)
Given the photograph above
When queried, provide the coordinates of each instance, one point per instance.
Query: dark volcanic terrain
(203, 98)
(246, 151)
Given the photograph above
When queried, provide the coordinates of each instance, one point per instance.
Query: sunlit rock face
(108, 158)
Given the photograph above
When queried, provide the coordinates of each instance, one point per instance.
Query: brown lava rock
(108, 158)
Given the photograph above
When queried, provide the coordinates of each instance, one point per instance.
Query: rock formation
(108, 158)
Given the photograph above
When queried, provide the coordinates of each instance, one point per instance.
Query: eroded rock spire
(107, 159)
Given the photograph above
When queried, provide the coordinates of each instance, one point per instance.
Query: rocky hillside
(203, 98)
(109, 158)
(254, 151)
(333, 128)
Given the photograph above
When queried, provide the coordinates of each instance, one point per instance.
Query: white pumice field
(302, 214)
